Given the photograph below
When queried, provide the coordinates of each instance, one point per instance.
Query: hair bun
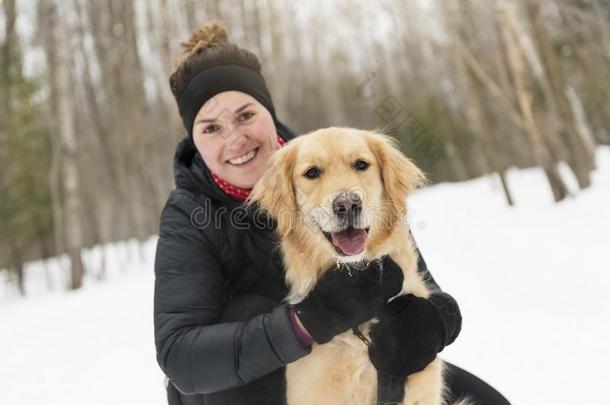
(210, 34)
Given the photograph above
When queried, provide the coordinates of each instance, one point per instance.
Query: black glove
(341, 301)
(409, 335)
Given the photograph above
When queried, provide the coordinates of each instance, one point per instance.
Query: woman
(222, 333)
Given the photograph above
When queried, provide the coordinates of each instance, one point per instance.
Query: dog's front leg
(426, 387)
(413, 282)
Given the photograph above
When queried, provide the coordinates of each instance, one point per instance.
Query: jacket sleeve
(196, 352)
(444, 303)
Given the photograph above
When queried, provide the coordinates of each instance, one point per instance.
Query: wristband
(301, 335)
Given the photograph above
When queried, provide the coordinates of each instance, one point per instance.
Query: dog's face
(338, 188)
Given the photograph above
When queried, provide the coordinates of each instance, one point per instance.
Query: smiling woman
(224, 331)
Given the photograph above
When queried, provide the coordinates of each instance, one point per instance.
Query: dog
(309, 187)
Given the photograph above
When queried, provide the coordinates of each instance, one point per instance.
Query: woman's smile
(245, 158)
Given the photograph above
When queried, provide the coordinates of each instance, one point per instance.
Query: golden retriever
(300, 189)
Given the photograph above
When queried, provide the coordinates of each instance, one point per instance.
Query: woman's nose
(237, 137)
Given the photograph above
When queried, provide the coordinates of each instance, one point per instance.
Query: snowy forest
(504, 104)
(470, 88)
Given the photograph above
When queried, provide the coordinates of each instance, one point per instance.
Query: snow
(531, 282)
(92, 346)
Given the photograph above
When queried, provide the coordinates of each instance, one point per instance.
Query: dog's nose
(346, 203)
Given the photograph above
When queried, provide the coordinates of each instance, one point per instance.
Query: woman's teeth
(244, 158)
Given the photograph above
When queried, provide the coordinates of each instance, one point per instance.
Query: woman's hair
(208, 46)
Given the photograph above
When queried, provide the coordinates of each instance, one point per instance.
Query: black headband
(219, 78)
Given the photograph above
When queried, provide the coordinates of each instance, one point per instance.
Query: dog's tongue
(351, 241)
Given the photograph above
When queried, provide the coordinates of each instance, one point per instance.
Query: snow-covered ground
(532, 283)
(92, 346)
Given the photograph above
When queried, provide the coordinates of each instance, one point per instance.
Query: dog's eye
(361, 165)
(312, 173)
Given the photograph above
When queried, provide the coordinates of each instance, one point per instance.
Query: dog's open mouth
(348, 242)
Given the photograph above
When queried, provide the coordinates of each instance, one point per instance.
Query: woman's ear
(274, 191)
(400, 176)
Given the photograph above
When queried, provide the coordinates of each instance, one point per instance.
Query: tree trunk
(524, 97)
(16, 257)
(507, 193)
(580, 156)
(67, 140)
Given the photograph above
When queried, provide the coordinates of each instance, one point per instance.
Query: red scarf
(239, 193)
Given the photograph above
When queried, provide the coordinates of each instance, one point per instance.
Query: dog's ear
(400, 176)
(274, 191)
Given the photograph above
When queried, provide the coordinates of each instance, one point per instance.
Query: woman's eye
(246, 116)
(361, 164)
(313, 173)
(210, 129)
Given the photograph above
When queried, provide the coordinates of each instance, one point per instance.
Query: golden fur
(340, 371)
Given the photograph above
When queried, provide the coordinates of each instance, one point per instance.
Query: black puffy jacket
(220, 320)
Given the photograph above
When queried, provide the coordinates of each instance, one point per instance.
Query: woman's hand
(341, 301)
(408, 336)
